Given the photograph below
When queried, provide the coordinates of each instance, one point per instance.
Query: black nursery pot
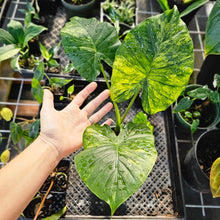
(198, 161)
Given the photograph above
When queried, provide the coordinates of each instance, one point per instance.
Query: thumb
(48, 99)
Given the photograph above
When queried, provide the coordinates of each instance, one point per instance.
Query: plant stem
(129, 106)
(117, 113)
(44, 198)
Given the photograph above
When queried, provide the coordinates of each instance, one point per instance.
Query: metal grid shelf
(197, 205)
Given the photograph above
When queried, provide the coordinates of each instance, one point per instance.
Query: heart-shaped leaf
(114, 167)
(157, 57)
(86, 42)
(215, 178)
(212, 40)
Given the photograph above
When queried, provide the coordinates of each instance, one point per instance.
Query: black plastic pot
(84, 10)
(213, 111)
(200, 158)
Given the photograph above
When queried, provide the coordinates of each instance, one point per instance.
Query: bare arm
(61, 134)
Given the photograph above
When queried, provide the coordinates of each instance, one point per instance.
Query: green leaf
(70, 90)
(58, 82)
(215, 178)
(39, 72)
(183, 104)
(216, 82)
(212, 40)
(57, 215)
(32, 30)
(37, 90)
(16, 132)
(193, 6)
(6, 113)
(164, 4)
(6, 37)
(8, 51)
(34, 129)
(44, 52)
(114, 167)
(86, 42)
(15, 63)
(5, 156)
(157, 57)
(141, 117)
(194, 125)
(214, 97)
(52, 63)
(199, 93)
(15, 28)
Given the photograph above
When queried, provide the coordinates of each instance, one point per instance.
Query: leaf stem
(129, 106)
(117, 113)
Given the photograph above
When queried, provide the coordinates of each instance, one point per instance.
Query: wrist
(52, 148)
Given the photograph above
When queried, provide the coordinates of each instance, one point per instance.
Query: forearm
(24, 175)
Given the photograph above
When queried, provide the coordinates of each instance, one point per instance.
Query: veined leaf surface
(100, 42)
(215, 178)
(114, 167)
(157, 57)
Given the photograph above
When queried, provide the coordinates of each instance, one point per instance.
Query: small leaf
(16, 132)
(34, 129)
(141, 117)
(214, 97)
(199, 93)
(37, 90)
(39, 72)
(184, 104)
(216, 82)
(58, 82)
(57, 215)
(52, 63)
(44, 52)
(194, 125)
(114, 167)
(70, 90)
(215, 178)
(5, 156)
(32, 30)
(6, 113)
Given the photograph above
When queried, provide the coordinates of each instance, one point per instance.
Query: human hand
(64, 129)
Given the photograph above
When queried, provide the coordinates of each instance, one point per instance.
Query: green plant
(192, 5)
(119, 12)
(192, 103)
(16, 40)
(156, 57)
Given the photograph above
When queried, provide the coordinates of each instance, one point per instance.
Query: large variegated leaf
(86, 42)
(156, 56)
(114, 167)
(212, 39)
(215, 178)
(8, 51)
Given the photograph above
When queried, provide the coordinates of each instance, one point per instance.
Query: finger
(47, 99)
(108, 122)
(102, 112)
(82, 95)
(94, 104)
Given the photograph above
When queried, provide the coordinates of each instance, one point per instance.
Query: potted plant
(16, 40)
(187, 8)
(198, 162)
(82, 8)
(199, 107)
(119, 13)
(154, 58)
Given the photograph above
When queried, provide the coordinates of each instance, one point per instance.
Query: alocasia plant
(156, 57)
